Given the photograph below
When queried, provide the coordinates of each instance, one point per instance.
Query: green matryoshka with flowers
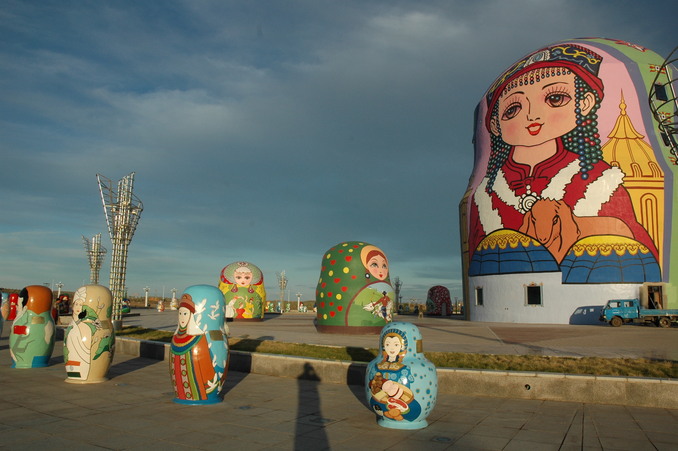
(354, 293)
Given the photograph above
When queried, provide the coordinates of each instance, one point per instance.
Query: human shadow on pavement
(309, 430)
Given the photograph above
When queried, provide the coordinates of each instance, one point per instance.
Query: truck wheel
(616, 321)
(664, 322)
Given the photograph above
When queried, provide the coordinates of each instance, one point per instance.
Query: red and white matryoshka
(199, 348)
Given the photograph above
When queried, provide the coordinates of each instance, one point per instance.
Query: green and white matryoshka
(354, 293)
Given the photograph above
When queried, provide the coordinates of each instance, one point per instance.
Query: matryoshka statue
(89, 341)
(199, 349)
(354, 293)
(31, 340)
(4, 310)
(9, 306)
(243, 286)
(401, 385)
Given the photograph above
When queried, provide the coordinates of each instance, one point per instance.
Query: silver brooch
(527, 200)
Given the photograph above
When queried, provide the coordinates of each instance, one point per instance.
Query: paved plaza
(134, 409)
(454, 335)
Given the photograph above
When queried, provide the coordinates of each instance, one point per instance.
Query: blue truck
(620, 311)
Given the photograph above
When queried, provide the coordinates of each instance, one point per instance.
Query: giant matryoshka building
(571, 199)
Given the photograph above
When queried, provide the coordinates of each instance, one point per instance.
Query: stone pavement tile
(409, 444)
(275, 416)
(549, 424)
(23, 418)
(666, 438)
(569, 447)
(105, 437)
(475, 442)
(61, 427)
(128, 420)
(623, 430)
(228, 430)
(653, 421)
(665, 446)
(434, 435)
(163, 445)
(18, 436)
(638, 444)
(506, 420)
(56, 443)
(270, 437)
(443, 429)
(574, 434)
(75, 412)
(589, 433)
(382, 438)
(300, 443)
(522, 445)
(548, 437)
(298, 428)
(494, 431)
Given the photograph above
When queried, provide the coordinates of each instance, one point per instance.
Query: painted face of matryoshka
(186, 310)
(78, 300)
(243, 277)
(393, 345)
(375, 262)
(184, 316)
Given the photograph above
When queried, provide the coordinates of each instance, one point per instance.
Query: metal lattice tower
(663, 102)
(122, 209)
(282, 284)
(95, 254)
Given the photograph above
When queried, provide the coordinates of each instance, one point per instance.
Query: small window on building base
(533, 293)
(479, 296)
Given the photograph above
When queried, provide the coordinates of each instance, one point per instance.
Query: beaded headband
(545, 63)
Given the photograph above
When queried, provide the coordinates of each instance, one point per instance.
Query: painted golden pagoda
(644, 179)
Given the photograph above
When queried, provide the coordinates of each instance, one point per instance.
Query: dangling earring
(367, 275)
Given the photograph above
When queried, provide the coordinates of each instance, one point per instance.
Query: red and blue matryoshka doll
(199, 348)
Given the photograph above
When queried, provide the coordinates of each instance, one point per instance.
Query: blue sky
(265, 131)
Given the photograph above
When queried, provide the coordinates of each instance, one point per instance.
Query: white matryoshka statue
(243, 286)
(89, 341)
(401, 385)
(31, 340)
(199, 349)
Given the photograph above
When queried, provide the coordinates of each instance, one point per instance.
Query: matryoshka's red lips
(534, 129)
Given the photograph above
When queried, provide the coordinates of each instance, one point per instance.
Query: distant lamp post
(398, 287)
(146, 289)
(59, 285)
(282, 284)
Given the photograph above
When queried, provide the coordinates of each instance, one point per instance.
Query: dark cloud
(265, 131)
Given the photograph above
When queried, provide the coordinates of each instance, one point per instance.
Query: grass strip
(533, 363)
